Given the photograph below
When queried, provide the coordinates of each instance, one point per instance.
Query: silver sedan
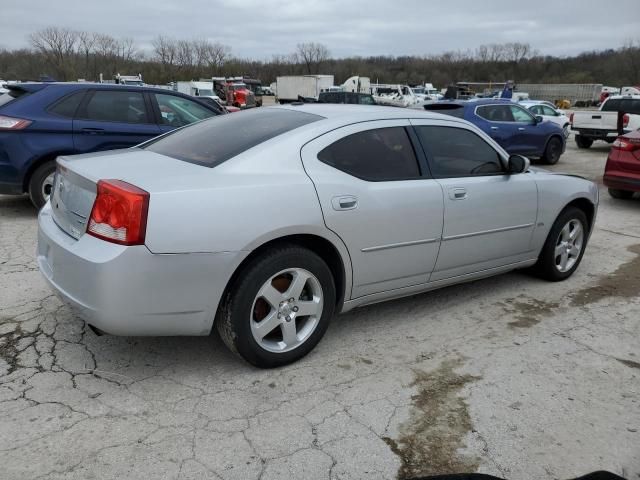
(266, 223)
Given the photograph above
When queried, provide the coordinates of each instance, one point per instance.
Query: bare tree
(57, 46)
(166, 52)
(312, 55)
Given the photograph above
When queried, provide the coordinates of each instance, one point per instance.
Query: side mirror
(518, 164)
(539, 119)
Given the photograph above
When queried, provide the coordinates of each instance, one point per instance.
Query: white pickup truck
(602, 124)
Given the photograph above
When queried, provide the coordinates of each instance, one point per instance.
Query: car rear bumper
(129, 290)
(622, 182)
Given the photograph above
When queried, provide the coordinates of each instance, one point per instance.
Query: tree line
(68, 55)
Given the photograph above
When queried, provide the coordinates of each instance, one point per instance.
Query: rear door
(110, 119)
(374, 195)
(174, 111)
(499, 124)
(489, 215)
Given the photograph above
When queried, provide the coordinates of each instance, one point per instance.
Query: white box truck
(197, 89)
(291, 88)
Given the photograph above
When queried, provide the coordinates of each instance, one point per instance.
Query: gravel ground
(510, 376)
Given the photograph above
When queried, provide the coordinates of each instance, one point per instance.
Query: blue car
(516, 129)
(40, 121)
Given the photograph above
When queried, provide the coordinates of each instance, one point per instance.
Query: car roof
(358, 113)
(93, 85)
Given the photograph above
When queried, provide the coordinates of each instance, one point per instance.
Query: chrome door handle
(494, 128)
(521, 129)
(344, 202)
(457, 193)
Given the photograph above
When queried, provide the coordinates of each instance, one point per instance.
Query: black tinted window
(68, 106)
(495, 113)
(448, 109)
(626, 105)
(455, 152)
(116, 106)
(213, 141)
(376, 155)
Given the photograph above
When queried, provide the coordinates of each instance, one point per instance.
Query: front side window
(456, 152)
(178, 112)
(116, 106)
(381, 154)
(548, 111)
(495, 113)
(536, 110)
(521, 115)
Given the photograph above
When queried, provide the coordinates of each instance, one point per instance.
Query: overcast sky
(259, 29)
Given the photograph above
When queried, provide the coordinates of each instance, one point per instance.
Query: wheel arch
(39, 161)
(332, 254)
(586, 206)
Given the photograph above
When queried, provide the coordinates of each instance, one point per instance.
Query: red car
(622, 171)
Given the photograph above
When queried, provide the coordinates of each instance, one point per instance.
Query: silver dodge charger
(266, 223)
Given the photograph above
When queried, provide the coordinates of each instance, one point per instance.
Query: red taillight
(10, 123)
(627, 144)
(571, 118)
(119, 213)
(625, 120)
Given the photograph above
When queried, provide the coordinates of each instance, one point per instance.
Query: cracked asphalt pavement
(510, 376)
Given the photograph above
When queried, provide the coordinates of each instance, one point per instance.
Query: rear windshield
(448, 109)
(213, 141)
(11, 95)
(626, 105)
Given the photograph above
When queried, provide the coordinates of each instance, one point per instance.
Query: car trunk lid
(75, 185)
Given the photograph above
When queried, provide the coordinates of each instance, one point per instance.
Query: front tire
(583, 142)
(41, 184)
(553, 151)
(620, 194)
(563, 250)
(279, 307)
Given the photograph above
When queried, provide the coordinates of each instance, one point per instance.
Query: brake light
(627, 144)
(571, 118)
(625, 120)
(119, 213)
(10, 123)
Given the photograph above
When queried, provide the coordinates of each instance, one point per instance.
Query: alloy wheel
(286, 310)
(569, 245)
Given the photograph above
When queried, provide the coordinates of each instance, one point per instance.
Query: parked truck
(357, 85)
(605, 123)
(201, 88)
(233, 92)
(307, 87)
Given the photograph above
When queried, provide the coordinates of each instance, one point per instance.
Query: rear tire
(553, 151)
(583, 142)
(258, 295)
(550, 262)
(41, 183)
(620, 194)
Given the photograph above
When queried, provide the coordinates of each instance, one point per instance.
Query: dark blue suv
(39, 121)
(512, 126)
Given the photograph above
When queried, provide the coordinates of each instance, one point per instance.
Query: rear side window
(382, 154)
(177, 111)
(456, 152)
(495, 113)
(116, 106)
(447, 109)
(67, 106)
(213, 141)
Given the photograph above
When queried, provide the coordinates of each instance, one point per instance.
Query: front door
(374, 195)
(489, 215)
(110, 119)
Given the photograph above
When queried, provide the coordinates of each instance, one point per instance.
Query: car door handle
(457, 193)
(521, 129)
(344, 202)
(494, 128)
(93, 131)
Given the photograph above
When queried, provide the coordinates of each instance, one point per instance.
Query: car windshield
(211, 142)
